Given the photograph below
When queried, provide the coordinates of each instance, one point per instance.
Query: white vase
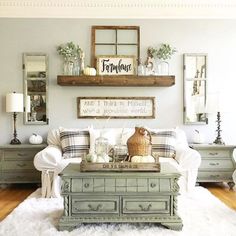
(163, 68)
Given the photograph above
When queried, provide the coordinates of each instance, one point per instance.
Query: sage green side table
(16, 164)
(120, 197)
(217, 163)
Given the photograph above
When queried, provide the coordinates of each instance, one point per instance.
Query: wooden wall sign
(116, 65)
(116, 107)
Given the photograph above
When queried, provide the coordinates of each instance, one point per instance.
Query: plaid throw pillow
(74, 143)
(164, 143)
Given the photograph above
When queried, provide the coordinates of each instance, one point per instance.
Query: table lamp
(14, 103)
(216, 104)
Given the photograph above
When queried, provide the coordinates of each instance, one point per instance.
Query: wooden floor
(223, 192)
(13, 195)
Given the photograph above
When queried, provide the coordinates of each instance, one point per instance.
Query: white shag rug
(201, 212)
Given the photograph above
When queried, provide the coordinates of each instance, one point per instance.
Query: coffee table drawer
(215, 163)
(94, 205)
(215, 153)
(214, 176)
(146, 205)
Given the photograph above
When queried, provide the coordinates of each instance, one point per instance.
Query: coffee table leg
(173, 226)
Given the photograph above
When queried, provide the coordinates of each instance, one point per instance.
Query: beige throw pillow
(164, 143)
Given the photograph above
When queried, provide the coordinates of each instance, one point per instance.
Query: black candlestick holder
(15, 140)
(218, 139)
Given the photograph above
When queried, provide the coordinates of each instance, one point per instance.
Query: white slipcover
(51, 162)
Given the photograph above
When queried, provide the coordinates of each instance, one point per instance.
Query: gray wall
(215, 37)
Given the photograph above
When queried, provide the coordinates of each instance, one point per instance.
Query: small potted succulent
(71, 54)
(162, 54)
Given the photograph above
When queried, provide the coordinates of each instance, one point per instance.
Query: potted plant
(162, 54)
(71, 54)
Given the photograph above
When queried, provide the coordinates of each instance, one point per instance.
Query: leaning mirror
(35, 75)
(195, 86)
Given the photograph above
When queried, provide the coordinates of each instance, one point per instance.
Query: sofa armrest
(189, 161)
(188, 158)
(48, 159)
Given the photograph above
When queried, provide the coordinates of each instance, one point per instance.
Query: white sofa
(51, 162)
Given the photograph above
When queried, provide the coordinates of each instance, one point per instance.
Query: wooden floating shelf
(116, 80)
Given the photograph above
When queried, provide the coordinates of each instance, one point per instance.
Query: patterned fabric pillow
(74, 143)
(164, 143)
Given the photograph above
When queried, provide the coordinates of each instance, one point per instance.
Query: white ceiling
(130, 9)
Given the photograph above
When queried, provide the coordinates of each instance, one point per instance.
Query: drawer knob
(143, 208)
(214, 164)
(214, 176)
(213, 153)
(153, 185)
(86, 185)
(21, 165)
(21, 154)
(96, 208)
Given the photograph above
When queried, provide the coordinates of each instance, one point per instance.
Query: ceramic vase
(163, 68)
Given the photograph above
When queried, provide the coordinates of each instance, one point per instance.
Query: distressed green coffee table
(120, 197)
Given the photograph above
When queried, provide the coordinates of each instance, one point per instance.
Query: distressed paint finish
(16, 163)
(217, 163)
(120, 197)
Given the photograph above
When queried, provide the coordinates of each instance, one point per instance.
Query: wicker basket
(140, 143)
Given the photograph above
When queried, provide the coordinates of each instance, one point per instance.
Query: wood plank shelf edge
(120, 80)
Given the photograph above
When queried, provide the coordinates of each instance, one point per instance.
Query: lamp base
(15, 141)
(219, 141)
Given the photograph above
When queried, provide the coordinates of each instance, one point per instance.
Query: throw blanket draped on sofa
(70, 145)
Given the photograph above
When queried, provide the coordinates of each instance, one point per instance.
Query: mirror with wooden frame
(115, 40)
(35, 78)
(195, 88)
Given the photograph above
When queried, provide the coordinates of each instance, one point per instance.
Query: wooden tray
(119, 166)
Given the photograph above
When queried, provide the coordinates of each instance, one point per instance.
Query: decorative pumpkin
(90, 71)
(198, 137)
(35, 139)
(143, 159)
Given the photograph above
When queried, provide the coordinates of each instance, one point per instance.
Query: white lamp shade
(217, 102)
(14, 102)
(28, 103)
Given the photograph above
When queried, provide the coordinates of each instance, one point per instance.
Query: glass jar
(76, 66)
(101, 146)
(141, 67)
(68, 66)
(120, 152)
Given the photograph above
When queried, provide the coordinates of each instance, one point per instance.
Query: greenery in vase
(69, 50)
(164, 52)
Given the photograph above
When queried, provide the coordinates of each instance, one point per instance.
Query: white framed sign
(116, 65)
(116, 107)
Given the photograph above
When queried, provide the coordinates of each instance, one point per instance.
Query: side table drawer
(21, 177)
(18, 165)
(214, 176)
(24, 154)
(94, 205)
(146, 205)
(215, 153)
(216, 163)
